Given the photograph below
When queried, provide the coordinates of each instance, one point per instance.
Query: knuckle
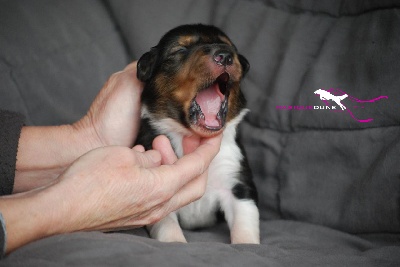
(203, 185)
(163, 195)
(201, 189)
(202, 165)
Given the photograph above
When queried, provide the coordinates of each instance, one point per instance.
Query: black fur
(245, 189)
(146, 134)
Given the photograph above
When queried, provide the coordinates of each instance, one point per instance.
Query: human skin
(108, 188)
(85, 176)
(113, 119)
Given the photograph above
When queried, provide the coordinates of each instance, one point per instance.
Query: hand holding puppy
(114, 116)
(72, 181)
(110, 188)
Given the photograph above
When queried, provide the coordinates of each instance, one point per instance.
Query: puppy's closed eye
(178, 50)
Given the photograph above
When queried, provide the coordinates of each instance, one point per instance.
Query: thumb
(190, 143)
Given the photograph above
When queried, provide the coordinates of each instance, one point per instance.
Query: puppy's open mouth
(209, 108)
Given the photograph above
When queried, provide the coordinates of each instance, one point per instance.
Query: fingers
(190, 143)
(131, 67)
(163, 145)
(195, 188)
(114, 115)
(162, 153)
(190, 192)
(184, 180)
(138, 148)
(148, 159)
(191, 165)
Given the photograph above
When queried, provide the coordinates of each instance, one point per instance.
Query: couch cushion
(55, 56)
(284, 243)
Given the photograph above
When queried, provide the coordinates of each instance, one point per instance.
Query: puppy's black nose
(223, 57)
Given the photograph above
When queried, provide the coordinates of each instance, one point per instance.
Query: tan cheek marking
(190, 78)
(236, 69)
(185, 91)
(161, 102)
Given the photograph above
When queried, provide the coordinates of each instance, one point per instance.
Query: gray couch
(328, 180)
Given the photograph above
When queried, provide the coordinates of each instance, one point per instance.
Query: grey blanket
(328, 179)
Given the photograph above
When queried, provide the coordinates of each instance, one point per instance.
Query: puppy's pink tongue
(209, 101)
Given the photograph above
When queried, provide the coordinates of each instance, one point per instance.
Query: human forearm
(44, 152)
(109, 188)
(28, 216)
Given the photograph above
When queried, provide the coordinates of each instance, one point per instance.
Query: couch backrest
(55, 56)
(330, 167)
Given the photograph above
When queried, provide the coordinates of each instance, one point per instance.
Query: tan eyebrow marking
(187, 40)
(225, 40)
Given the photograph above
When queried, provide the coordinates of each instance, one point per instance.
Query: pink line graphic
(339, 92)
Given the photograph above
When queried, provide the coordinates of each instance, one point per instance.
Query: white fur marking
(246, 222)
(167, 230)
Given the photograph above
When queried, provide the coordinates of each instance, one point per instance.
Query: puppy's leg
(243, 219)
(167, 230)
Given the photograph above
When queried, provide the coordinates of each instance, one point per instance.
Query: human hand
(118, 187)
(114, 116)
(111, 188)
(113, 119)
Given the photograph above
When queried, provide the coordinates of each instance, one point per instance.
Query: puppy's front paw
(167, 230)
(172, 236)
(245, 225)
(245, 237)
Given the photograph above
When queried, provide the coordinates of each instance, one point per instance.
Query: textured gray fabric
(55, 56)
(311, 165)
(285, 243)
(328, 185)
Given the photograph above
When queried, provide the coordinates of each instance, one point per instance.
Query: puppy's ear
(245, 65)
(145, 65)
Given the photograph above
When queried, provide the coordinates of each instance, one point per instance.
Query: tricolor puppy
(192, 87)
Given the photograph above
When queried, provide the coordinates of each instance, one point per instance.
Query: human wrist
(47, 147)
(86, 134)
(28, 217)
(45, 151)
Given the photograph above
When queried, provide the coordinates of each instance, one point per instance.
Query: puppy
(192, 87)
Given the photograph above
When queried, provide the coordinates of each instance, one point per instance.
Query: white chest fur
(241, 215)
(222, 176)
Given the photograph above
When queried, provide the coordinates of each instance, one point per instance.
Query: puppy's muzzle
(209, 108)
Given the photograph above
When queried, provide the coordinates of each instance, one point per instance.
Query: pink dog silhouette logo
(337, 96)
